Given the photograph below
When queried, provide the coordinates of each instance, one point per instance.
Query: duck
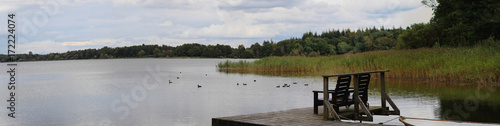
(169, 81)
(278, 86)
(177, 77)
(199, 86)
(244, 84)
(306, 84)
(294, 82)
(254, 80)
(237, 83)
(284, 85)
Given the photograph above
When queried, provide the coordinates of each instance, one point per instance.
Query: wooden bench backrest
(342, 88)
(364, 80)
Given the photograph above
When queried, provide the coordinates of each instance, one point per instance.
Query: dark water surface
(138, 92)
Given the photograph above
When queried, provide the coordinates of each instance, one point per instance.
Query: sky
(49, 26)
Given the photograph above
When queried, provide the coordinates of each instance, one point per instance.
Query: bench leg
(316, 104)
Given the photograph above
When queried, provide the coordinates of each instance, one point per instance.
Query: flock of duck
(288, 85)
(278, 86)
(169, 81)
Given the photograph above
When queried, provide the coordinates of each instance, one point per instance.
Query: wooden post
(355, 96)
(325, 98)
(382, 92)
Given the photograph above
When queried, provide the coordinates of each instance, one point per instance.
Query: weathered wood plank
(293, 117)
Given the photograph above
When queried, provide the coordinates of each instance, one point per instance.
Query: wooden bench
(363, 82)
(343, 98)
(339, 96)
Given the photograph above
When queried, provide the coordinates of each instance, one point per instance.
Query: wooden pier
(293, 117)
(343, 96)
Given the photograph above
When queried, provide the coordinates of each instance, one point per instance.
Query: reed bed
(472, 64)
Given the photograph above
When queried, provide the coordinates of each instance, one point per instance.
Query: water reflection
(468, 110)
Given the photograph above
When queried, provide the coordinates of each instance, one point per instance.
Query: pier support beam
(325, 98)
(382, 91)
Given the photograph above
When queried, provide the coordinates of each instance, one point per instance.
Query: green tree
(369, 45)
(30, 55)
(313, 54)
(247, 54)
(297, 50)
(240, 51)
(267, 49)
(167, 53)
(384, 43)
(419, 35)
(343, 47)
(195, 51)
(157, 52)
(141, 53)
(359, 47)
(256, 49)
(465, 22)
(209, 51)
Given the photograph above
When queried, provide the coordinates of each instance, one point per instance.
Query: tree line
(455, 23)
(311, 44)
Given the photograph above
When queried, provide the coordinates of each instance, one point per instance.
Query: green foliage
(194, 52)
(418, 36)
(436, 45)
(157, 52)
(240, 51)
(141, 53)
(313, 54)
(247, 54)
(343, 47)
(256, 49)
(465, 22)
(384, 43)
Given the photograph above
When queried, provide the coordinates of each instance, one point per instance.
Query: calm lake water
(138, 92)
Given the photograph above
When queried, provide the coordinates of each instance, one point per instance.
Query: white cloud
(166, 24)
(233, 30)
(76, 43)
(10, 5)
(47, 46)
(418, 15)
(50, 46)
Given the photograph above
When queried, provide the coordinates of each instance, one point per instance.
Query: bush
(313, 54)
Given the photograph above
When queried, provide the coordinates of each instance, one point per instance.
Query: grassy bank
(473, 64)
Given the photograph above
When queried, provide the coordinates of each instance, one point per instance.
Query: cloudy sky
(45, 26)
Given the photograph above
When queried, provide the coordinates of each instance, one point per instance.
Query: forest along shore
(479, 64)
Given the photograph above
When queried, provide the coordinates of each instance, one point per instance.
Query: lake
(139, 92)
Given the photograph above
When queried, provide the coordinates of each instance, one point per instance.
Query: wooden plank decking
(293, 117)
